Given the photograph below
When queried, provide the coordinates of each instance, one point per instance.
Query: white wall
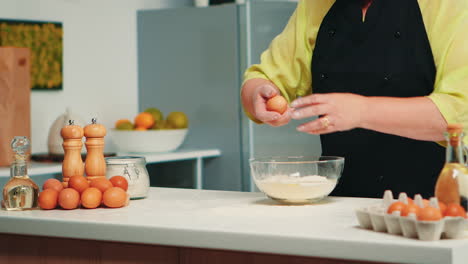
(100, 59)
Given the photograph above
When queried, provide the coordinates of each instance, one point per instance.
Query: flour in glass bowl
(285, 187)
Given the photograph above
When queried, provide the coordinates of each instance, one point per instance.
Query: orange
(69, 198)
(145, 120)
(53, 184)
(48, 199)
(102, 184)
(119, 181)
(78, 183)
(122, 121)
(91, 198)
(114, 197)
(141, 128)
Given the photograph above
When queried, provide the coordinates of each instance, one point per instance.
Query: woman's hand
(255, 94)
(261, 96)
(336, 111)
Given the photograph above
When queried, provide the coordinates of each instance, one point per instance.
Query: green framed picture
(45, 40)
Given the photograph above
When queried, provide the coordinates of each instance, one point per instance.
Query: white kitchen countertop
(237, 221)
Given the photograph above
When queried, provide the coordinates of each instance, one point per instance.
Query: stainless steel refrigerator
(193, 59)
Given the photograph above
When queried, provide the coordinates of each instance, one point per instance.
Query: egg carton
(376, 218)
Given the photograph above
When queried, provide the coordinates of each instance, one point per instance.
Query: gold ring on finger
(325, 122)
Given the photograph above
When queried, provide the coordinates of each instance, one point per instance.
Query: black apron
(387, 55)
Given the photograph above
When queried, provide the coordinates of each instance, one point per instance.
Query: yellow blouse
(287, 61)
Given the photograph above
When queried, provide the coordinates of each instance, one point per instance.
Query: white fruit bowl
(148, 141)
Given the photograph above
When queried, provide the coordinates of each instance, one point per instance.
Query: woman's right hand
(255, 95)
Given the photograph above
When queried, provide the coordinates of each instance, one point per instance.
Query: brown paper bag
(15, 98)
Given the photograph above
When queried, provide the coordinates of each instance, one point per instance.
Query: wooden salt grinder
(72, 163)
(95, 164)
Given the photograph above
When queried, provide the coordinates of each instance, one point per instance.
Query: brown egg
(410, 208)
(48, 199)
(102, 184)
(53, 184)
(78, 183)
(69, 198)
(91, 198)
(396, 206)
(429, 213)
(114, 197)
(277, 104)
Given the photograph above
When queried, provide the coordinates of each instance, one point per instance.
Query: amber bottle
(452, 184)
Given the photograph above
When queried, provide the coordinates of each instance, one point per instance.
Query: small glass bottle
(20, 192)
(452, 184)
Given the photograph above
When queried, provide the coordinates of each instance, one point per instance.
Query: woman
(383, 76)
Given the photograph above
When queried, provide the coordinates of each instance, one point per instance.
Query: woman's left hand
(336, 111)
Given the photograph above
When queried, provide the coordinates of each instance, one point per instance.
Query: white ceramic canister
(133, 168)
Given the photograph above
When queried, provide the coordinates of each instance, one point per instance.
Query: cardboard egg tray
(375, 217)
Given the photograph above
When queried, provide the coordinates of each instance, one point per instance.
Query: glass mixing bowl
(296, 180)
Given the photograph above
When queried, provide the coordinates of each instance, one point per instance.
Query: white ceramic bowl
(148, 141)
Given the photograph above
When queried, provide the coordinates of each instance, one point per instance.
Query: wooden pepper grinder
(95, 164)
(72, 163)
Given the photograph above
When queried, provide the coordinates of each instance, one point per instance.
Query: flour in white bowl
(296, 188)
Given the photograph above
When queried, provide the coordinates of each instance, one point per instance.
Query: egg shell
(277, 104)
(410, 208)
(397, 206)
(429, 213)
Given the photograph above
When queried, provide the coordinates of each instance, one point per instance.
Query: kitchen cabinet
(32, 250)
(192, 60)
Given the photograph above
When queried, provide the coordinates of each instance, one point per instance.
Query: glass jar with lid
(133, 168)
